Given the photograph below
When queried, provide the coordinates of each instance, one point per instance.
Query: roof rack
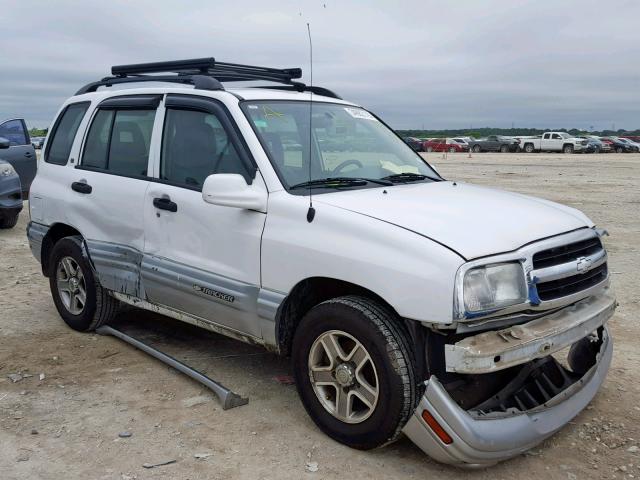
(204, 74)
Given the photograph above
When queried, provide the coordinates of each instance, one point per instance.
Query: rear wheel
(528, 148)
(354, 371)
(429, 149)
(80, 300)
(504, 149)
(9, 221)
(476, 148)
(619, 149)
(452, 150)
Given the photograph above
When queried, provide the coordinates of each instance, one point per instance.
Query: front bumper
(484, 440)
(10, 193)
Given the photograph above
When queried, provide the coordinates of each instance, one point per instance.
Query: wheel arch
(56, 232)
(314, 290)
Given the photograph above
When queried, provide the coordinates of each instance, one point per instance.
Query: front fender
(413, 274)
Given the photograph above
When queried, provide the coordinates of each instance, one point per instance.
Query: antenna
(311, 213)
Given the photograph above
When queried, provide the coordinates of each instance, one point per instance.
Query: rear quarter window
(64, 132)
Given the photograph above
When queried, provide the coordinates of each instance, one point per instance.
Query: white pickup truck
(554, 142)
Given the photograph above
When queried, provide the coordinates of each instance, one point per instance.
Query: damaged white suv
(287, 217)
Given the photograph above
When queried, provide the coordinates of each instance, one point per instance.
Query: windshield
(565, 135)
(346, 142)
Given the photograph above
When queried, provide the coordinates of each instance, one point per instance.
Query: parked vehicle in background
(20, 153)
(407, 303)
(633, 138)
(445, 145)
(555, 142)
(10, 191)
(461, 141)
(634, 145)
(594, 145)
(37, 142)
(415, 143)
(618, 146)
(494, 143)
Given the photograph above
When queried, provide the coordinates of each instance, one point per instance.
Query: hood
(472, 220)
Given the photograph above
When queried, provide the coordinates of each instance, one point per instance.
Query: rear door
(200, 258)
(108, 188)
(21, 153)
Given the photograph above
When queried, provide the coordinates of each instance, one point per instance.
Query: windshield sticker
(270, 112)
(253, 107)
(260, 123)
(359, 113)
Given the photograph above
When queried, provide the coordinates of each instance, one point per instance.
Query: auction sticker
(359, 113)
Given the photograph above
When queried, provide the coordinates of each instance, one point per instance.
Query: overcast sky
(437, 64)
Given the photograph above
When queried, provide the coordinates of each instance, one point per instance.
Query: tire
(567, 149)
(429, 149)
(596, 150)
(452, 150)
(619, 149)
(9, 221)
(389, 364)
(504, 149)
(476, 149)
(528, 148)
(98, 307)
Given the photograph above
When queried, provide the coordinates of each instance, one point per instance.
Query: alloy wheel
(72, 288)
(343, 376)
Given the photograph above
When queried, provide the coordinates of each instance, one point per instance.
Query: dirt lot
(65, 420)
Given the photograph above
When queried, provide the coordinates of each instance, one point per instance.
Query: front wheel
(429, 149)
(80, 300)
(568, 149)
(504, 149)
(452, 150)
(354, 371)
(619, 150)
(9, 221)
(476, 148)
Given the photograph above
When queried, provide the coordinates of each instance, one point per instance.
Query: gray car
(20, 154)
(10, 191)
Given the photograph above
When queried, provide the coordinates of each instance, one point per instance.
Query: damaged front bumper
(478, 437)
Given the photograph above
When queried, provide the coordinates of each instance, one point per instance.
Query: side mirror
(4, 143)
(231, 190)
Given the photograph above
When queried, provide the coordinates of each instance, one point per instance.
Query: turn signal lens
(437, 429)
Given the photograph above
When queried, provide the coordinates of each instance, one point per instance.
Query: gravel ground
(90, 407)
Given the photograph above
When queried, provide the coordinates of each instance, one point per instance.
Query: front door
(200, 258)
(21, 154)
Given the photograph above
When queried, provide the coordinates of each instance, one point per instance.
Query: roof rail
(203, 74)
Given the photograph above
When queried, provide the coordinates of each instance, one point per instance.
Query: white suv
(408, 303)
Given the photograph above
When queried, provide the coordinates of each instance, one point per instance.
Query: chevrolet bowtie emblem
(583, 265)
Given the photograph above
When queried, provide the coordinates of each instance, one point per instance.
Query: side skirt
(187, 318)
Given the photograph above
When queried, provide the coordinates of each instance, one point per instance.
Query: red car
(445, 145)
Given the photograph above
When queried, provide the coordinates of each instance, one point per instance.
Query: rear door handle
(81, 187)
(164, 203)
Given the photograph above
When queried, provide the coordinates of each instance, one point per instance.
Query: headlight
(493, 286)
(6, 170)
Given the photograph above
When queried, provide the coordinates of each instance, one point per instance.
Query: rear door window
(64, 132)
(119, 141)
(14, 131)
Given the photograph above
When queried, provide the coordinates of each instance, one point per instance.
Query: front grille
(573, 284)
(566, 253)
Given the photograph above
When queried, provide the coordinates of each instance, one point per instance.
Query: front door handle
(81, 187)
(164, 203)
(28, 154)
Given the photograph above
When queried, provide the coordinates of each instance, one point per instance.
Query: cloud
(432, 63)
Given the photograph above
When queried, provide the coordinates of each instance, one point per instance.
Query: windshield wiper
(340, 182)
(406, 177)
